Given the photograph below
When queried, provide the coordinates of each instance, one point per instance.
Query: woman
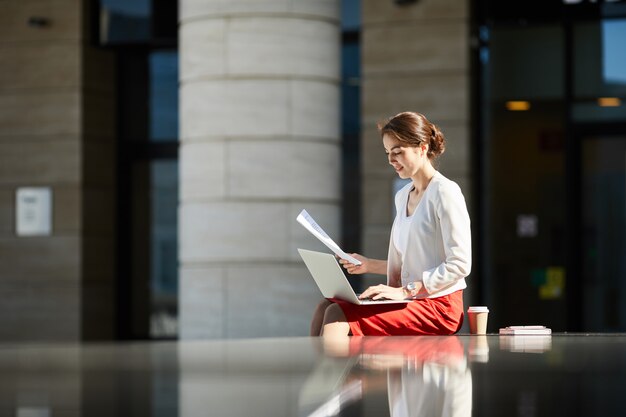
(429, 249)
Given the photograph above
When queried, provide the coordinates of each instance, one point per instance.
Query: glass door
(597, 182)
(523, 170)
(603, 204)
(550, 136)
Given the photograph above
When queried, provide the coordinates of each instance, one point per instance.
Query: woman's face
(406, 160)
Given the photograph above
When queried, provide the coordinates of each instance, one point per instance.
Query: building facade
(175, 143)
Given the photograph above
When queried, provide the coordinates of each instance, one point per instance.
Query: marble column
(260, 140)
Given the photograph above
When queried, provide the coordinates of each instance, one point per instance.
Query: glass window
(599, 71)
(351, 123)
(164, 248)
(526, 62)
(350, 15)
(125, 21)
(163, 69)
(614, 53)
(350, 89)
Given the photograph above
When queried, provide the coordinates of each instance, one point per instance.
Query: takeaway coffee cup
(478, 319)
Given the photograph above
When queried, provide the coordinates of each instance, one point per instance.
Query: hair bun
(414, 129)
(437, 144)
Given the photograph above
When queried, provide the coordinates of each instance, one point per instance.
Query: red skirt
(426, 316)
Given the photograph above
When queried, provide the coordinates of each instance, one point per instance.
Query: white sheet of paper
(309, 224)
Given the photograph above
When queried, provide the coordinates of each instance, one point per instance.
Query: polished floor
(558, 375)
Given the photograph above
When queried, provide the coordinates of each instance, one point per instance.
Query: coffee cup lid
(478, 309)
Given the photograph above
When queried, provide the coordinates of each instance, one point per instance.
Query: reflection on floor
(394, 376)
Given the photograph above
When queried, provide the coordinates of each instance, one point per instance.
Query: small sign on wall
(527, 225)
(33, 208)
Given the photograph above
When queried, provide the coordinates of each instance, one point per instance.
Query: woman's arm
(457, 241)
(372, 266)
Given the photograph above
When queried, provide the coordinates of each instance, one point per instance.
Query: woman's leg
(335, 323)
(318, 317)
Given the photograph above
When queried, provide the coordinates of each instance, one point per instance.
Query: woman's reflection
(423, 376)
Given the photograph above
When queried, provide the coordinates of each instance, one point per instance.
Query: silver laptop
(331, 280)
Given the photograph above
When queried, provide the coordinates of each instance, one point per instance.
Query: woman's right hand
(356, 269)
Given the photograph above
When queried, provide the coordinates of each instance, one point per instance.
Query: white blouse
(401, 233)
(434, 245)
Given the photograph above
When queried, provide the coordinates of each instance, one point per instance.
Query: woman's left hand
(383, 292)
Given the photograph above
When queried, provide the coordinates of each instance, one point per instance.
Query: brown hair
(414, 129)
